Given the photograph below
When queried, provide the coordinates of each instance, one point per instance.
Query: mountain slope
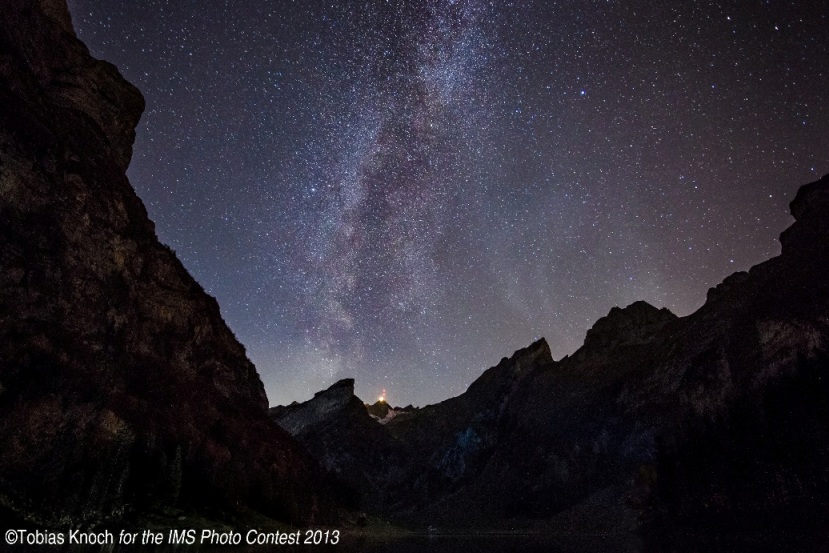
(121, 387)
(714, 420)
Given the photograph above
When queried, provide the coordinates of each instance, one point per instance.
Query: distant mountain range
(711, 422)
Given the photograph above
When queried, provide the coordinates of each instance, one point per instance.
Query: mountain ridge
(597, 440)
(122, 390)
(124, 394)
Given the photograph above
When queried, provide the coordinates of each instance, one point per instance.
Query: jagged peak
(379, 409)
(509, 370)
(297, 417)
(728, 283)
(806, 237)
(810, 197)
(810, 208)
(341, 387)
(538, 349)
(635, 324)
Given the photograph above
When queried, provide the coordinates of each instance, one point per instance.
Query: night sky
(404, 192)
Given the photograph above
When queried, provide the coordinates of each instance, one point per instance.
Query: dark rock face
(382, 412)
(337, 429)
(379, 410)
(637, 323)
(299, 417)
(714, 421)
(121, 387)
(418, 456)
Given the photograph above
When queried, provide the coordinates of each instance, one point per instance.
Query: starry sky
(403, 192)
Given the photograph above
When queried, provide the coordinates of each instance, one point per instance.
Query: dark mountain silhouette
(714, 421)
(123, 393)
(122, 390)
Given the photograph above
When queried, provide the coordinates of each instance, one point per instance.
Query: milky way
(404, 192)
(390, 176)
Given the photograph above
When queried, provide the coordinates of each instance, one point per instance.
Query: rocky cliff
(408, 462)
(121, 387)
(714, 421)
(338, 430)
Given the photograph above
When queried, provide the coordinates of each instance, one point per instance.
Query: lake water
(627, 543)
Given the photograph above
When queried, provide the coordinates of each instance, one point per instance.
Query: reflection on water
(628, 543)
(409, 544)
(501, 543)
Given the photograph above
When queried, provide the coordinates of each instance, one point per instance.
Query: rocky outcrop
(636, 324)
(408, 461)
(121, 387)
(710, 422)
(297, 418)
(382, 412)
(379, 410)
(807, 236)
(337, 429)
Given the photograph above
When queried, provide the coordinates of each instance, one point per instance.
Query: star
(415, 189)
